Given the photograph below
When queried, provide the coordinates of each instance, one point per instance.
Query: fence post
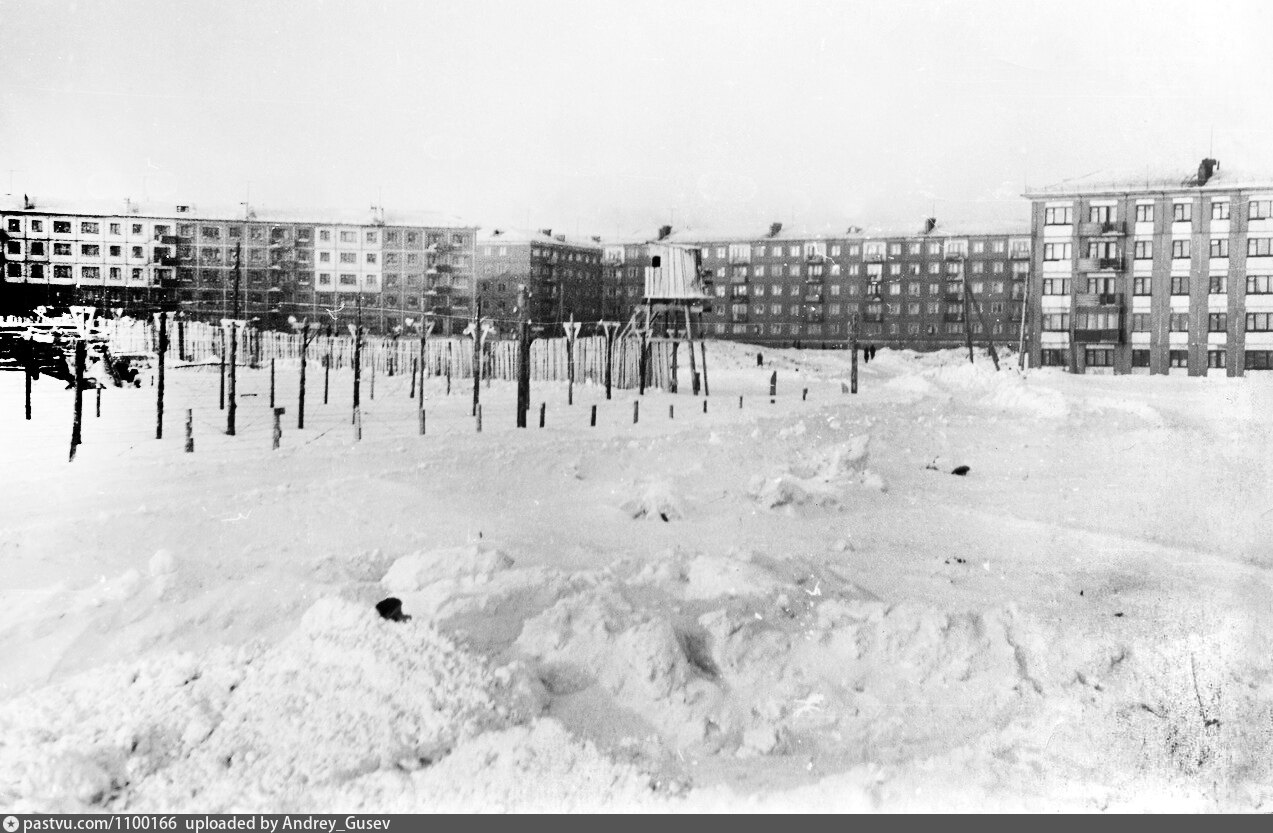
(26, 373)
(271, 383)
(542, 407)
(421, 415)
(189, 431)
(636, 412)
(159, 397)
(99, 400)
(594, 416)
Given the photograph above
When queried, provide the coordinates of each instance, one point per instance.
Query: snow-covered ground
(789, 605)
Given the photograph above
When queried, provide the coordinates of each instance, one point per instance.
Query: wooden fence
(202, 343)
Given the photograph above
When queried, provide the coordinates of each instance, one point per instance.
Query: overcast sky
(604, 118)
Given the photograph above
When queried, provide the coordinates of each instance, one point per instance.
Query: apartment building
(562, 275)
(1154, 273)
(320, 265)
(917, 288)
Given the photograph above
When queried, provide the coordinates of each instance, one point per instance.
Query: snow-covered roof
(763, 234)
(223, 213)
(513, 236)
(1151, 180)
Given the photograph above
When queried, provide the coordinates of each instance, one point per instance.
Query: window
(1100, 213)
(350, 257)
(1056, 286)
(1178, 358)
(371, 257)
(1182, 212)
(895, 248)
(1142, 285)
(62, 271)
(116, 251)
(1145, 213)
(1218, 284)
(1056, 251)
(90, 273)
(1217, 322)
(210, 232)
(37, 247)
(1179, 284)
(1216, 358)
(114, 227)
(371, 237)
(1144, 250)
(1140, 322)
(1056, 322)
(1259, 209)
(1058, 216)
(15, 224)
(136, 252)
(88, 250)
(14, 247)
(61, 226)
(1180, 249)
(348, 280)
(1220, 245)
(1259, 359)
(116, 273)
(1098, 357)
(62, 249)
(1140, 358)
(1259, 246)
(1052, 358)
(324, 278)
(1178, 322)
(89, 228)
(1259, 284)
(1220, 210)
(1259, 322)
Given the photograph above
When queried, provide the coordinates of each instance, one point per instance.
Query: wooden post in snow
(608, 327)
(26, 374)
(327, 367)
(189, 430)
(159, 391)
(271, 383)
(523, 359)
(672, 387)
(703, 349)
(773, 383)
(278, 425)
(411, 395)
(233, 405)
(357, 334)
(689, 335)
(477, 355)
(76, 436)
(221, 399)
(967, 323)
(300, 404)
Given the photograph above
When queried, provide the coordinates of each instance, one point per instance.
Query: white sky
(603, 118)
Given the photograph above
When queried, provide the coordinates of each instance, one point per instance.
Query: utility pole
(159, 397)
(356, 332)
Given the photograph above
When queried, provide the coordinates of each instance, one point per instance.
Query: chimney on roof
(664, 232)
(546, 232)
(774, 228)
(496, 232)
(854, 230)
(930, 223)
(1206, 169)
(560, 238)
(596, 238)
(27, 202)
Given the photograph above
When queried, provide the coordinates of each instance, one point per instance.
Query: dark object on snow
(391, 609)
(959, 470)
(760, 360)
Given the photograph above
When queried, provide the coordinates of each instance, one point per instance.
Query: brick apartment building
(1154, 274)
(562, 275)
(142, 258)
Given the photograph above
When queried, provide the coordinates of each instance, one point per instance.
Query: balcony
(1020, 254)
(1100, 264)
(813, 297)
(812, 278)
(954, 256)
(814, 315)
(738, 277)
(874, 257)
(1102, 229)
(954, 297)
(444, 268)
(953, 317)
(166, 260)
(740, 260)
(815, 257)
(738, 292)
(873, 316)
(738, 317)
(167, 239)
(1088, 336)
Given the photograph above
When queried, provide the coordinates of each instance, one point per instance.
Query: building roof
(855, 232)
(1151, 180)
(523, 236)
(223, 213)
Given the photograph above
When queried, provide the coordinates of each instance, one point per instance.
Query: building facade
(317, 266)
(1161, 274)
(917, 288)
(563, 276)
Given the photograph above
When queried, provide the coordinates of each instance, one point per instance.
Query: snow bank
(345, 695)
